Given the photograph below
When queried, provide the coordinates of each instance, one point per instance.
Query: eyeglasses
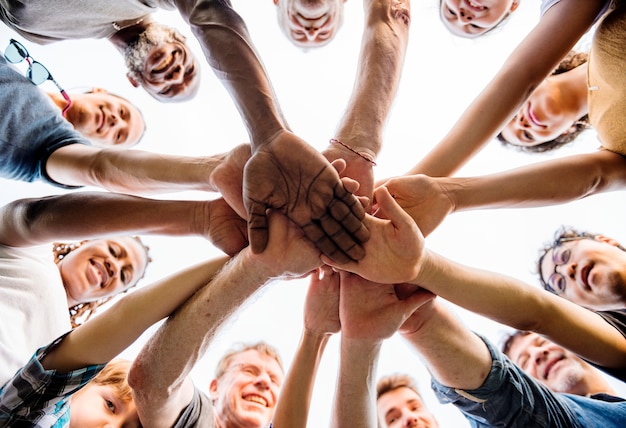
(560, 257)
(37, 73)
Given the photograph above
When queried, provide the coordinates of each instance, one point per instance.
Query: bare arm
(321, 320)
(523, 70)
(454, 355)
(105, 336)
(36, 221)
(159, 375)
(383, 47)
(284, 171)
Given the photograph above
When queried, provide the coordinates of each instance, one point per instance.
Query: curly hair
(81, 312)
(572, 60)
(562, 234)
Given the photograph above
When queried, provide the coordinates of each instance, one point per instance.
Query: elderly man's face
(310, 23)
(246, 394)
(163, 65)
(403, 407)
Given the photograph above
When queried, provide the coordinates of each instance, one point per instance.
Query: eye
(450, 12)
(124, 277)
(109, 404)
(557, 283)
(113, 251)
(190, 69)
(528, 136)
(561, 255)
(165, 91)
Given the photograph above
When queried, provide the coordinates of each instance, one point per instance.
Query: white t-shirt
(33, 305)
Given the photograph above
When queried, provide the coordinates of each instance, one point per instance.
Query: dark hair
(572, 60)
(508, 340)
(562, 234)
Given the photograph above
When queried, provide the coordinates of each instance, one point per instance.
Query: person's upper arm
(162, 408)
(532, 61)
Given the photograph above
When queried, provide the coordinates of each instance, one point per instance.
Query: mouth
(253, 398)
(101, 276)
(550, 366)
(584, 276)
(163, 64)
(100, 121)
(531, 116)
(475, 6)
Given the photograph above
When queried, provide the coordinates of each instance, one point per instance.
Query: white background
(441, 76)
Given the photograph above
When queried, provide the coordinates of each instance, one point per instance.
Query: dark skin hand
(292, 177)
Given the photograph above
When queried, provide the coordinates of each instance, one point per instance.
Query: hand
(228, 177)
(395, 248)
(423, 198)
(290, 176)
(321, 307)
(289, 254)
(368, 310)
(356, 168)
(227, 230)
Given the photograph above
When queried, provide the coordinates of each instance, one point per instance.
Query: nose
(465, 15)
(112, 267)
(522, 121)
(176, 75)
(312, 32)
(539, 354)
(263, 381)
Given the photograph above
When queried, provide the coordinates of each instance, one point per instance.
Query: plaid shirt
(39, 398)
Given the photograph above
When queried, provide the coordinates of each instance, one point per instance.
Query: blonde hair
(115, 374)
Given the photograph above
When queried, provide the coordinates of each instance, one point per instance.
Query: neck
(595, 383)
(572, 86)
(58, 100)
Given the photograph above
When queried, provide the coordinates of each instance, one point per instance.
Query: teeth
(256, 399)
(475, 5)
(164, 64)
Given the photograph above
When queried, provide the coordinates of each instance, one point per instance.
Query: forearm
(355, 395)
(184, 338)
(541, 184)
(383, 49)
(511, 302)
(105, 336)
(229, 50)
(454, 355)
(292, 410)
(131, 171)
(27, 222)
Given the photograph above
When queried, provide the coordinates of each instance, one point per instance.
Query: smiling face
(593, 272)
(310, 23)
(472, 18)
(102, 268)
(555, 367)
(245, 395)
(106, 120)
(543, 117)
(99, 406)
(403, 407)
(163, 64)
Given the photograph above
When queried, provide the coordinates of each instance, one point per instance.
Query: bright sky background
(441, 76)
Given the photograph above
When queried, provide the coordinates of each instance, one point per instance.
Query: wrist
(362, 153)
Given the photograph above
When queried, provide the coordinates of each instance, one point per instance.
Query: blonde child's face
(99, 405)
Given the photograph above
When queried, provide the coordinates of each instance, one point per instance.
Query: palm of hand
(321, 309)
(292, 177)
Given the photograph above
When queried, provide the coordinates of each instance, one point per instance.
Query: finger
(257, 227)
(419, 298)
(390, 209)
(344, 215)
(404, 290)
(339, 165)
(341, 238)
(350, 184)
(316, 234)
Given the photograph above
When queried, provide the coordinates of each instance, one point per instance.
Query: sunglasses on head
(36, 73)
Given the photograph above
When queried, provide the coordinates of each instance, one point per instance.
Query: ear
(275, 1)
(513, 6)
(213, 390)
(132, 80)
(606, 239)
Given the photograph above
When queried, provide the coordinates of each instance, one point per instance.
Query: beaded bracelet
(364, 155)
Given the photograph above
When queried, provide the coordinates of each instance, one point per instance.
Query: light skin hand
(394, 249)
(369, 310)
(356, 168)
(228, 177)
(226, 229)
(423, 198)
(321, 307)
(292, 177)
